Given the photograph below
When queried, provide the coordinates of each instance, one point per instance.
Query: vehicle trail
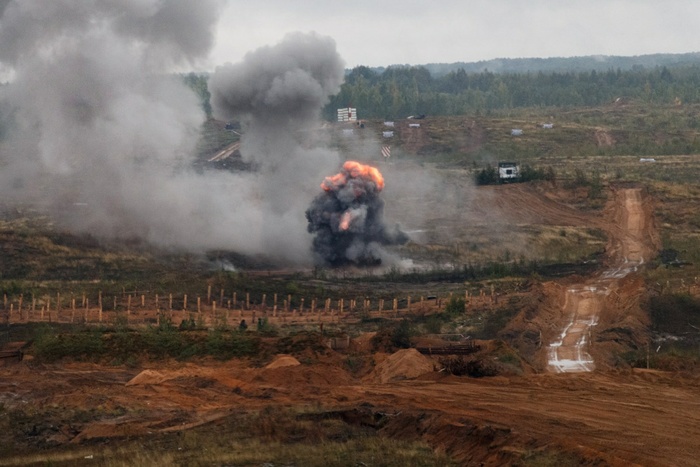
(583, 303)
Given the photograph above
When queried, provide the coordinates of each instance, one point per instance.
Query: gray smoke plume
(278, 93)
(101, 133)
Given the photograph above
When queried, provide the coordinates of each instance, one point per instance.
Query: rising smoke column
(100, 132)
(346, 219)
(278, 93)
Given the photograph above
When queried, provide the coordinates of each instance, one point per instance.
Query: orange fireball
(353, 169)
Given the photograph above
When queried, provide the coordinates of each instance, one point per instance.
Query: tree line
(398, 92)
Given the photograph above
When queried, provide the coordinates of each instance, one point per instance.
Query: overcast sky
(388, 32)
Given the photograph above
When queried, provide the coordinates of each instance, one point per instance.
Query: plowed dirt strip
(584, 303)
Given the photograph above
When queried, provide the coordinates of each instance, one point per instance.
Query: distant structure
(516, 132)
(548, 126)
(348, 114)
(508, 171)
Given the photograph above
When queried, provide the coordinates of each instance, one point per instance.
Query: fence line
(137, 308)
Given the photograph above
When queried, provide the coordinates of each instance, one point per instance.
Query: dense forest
(400, 91)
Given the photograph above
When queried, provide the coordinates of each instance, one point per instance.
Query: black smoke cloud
(347, 219)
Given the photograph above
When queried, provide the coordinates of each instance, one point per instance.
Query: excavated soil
(603, 417)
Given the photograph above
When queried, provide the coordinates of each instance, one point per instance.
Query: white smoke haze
(102, 134)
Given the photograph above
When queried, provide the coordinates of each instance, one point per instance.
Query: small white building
(508, 171)
(348, 114)
(548, 126)
(516, 132)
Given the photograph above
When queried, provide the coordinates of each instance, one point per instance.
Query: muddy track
(632, 241)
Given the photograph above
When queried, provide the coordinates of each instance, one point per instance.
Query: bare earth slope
(604, 417)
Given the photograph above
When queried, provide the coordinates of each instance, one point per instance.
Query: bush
(455, 306)
(50, 346)
(487, 176)
(397, 336)
(459, 366)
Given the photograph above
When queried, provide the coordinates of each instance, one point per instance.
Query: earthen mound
(283, 361)
(404, 364)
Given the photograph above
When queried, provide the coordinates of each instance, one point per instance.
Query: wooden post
(99, 303)
(396, 305)
(408, 305)
(19, 308)
(143, 301)
(87, 307)
(128, 303)
(170, 302)
(289, 301)
(381, 304)
(221, 296)
(83, 300)
(184, 303)
(341, 305)
(199, 304)
(114, 305)
(48, 304)
(313, 306)
(209, 294)
(274, 300)
(264, 299)
(157, 304)
(301, 306)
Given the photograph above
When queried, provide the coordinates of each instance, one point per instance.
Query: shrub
(455, 305)
(459, 366)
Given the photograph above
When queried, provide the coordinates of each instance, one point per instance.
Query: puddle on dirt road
(583, 303)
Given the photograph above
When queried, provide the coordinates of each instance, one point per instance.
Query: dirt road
(583, 303)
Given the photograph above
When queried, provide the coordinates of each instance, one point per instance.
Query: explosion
(346, 219)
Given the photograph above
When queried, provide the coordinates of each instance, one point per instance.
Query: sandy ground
(603, 415)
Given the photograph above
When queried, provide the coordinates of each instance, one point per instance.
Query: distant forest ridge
(401, 91)
(559, 64)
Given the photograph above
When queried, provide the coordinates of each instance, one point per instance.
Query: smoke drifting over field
(101, 133)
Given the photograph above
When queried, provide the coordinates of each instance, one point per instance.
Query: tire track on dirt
(583, 303)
